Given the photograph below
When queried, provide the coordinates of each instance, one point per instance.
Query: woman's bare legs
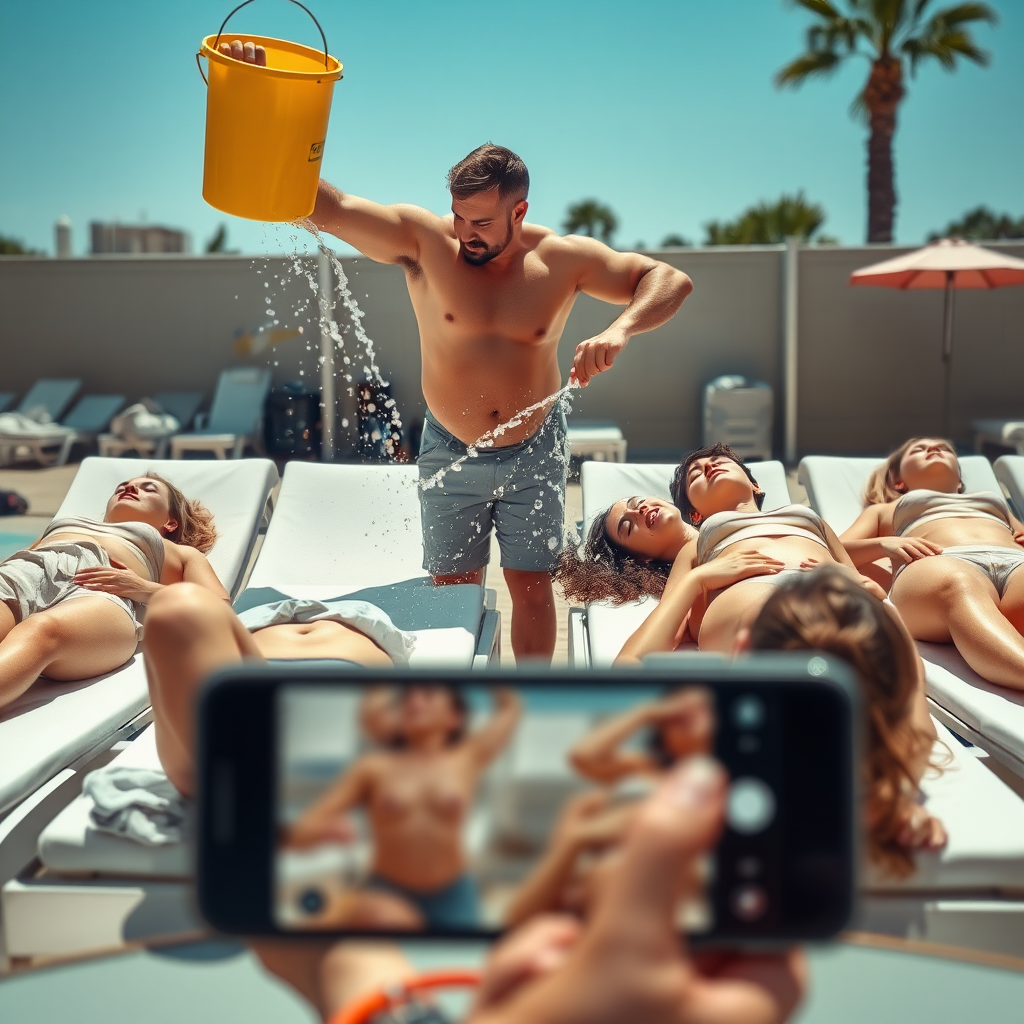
(190, 633)
(76, 639)
(945, 599)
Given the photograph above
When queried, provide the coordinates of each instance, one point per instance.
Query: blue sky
(664, 109)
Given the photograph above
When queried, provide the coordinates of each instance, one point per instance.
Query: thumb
(671, 831)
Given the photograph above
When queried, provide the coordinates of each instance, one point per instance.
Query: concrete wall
(870, 367)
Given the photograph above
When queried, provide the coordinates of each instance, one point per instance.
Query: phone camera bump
(311, 900)
(748, 902)
(748, 712)
(751, 806)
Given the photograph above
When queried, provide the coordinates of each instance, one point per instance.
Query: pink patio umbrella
(949, 263)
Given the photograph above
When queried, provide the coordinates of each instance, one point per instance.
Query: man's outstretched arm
(653, 292)
(387, 234)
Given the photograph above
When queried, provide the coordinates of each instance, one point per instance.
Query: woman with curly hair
(71, 605)
(955, 557)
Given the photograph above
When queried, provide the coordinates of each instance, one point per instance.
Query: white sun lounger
(990, 716)
(338, 530)
(55, 728)
(596, 634)
(1009, 470)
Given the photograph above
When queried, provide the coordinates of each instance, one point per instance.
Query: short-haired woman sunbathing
(955, 557)
(719, 575)
(825, 610)
(71, 606)
(190, 635)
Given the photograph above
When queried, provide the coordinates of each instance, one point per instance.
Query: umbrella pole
(947, 352)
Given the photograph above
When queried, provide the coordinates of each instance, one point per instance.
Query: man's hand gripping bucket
(266, 126)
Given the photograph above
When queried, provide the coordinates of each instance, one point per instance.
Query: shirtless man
(492, 295)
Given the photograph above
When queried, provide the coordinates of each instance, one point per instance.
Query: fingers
(921, 831)
(538, 948)
(750, 988)
(250, 53)
(669, 834)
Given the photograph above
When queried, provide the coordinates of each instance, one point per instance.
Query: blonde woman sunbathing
(955, 557)
(71, 606)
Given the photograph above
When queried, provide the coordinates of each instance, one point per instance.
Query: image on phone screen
(441, 808)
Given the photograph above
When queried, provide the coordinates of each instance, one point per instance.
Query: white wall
(870, 367)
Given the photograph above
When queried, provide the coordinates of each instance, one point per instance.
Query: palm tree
(768, 223)
(887, 33)
(589, 217)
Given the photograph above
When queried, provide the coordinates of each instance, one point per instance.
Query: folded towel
(136, 803)
(16, 424)
(144, 421)
(361, 615)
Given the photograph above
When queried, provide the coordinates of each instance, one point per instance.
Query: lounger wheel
(364, 1009)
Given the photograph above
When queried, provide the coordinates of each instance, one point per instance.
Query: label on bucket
(316, 151)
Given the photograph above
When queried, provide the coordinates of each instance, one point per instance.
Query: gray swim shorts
(33, 581)
(519, 490)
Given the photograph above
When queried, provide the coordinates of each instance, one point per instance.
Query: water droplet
(538, 504)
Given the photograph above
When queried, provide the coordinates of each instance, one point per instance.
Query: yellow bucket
(266, 126)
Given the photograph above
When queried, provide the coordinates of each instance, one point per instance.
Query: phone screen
(437, 807)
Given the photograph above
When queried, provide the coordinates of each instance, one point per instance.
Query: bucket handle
(245, 3)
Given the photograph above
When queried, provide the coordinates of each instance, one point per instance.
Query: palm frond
(809, 65)
(946, 37)
(822, 8)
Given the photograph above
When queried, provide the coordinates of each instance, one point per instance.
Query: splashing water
(489, 439)
(371, 370)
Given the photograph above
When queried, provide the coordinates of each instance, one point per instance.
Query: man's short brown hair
(488, 167)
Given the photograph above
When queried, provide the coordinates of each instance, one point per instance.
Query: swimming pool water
(11, 542)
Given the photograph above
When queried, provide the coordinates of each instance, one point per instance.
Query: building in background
(62, 237)
(141, 238)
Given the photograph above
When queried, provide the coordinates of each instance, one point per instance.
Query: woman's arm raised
(487, 742)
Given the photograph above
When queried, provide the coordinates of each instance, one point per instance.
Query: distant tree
(15, 247)
(769, 223)
(589, 217)
(891, 31)
(219, 240)
(675, 241)
(981, 224)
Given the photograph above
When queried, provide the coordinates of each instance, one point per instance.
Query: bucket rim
(332, 72)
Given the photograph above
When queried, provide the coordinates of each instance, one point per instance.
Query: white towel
(361, 615)
(16, 424)
(136, 803)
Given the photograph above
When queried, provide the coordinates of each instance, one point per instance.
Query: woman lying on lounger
(189, 635)
(823, 609)
(71, 606)
(954, 556)
(721, 573)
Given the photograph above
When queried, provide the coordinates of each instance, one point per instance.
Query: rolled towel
(136, 803)
(361, 615)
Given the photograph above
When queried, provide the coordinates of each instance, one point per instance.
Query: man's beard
(477, 258)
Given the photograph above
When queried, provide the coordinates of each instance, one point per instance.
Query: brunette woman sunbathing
(720, 575)
(71, 606)
(955, 557)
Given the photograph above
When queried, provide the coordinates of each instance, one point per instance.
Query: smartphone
(458, 804)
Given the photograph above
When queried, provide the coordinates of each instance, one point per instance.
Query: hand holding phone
(628, 963)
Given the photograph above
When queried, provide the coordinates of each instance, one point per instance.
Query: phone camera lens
(311, 901)
(748, 712)
(749, 902)
(751, 806)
